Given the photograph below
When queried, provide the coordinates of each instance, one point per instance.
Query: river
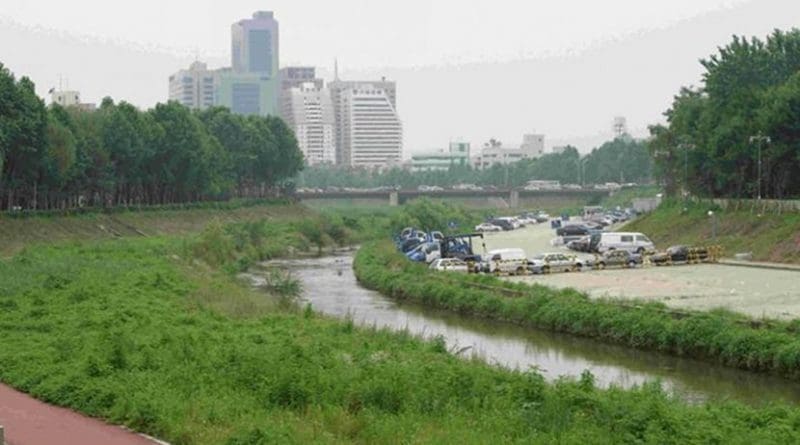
(329, 285)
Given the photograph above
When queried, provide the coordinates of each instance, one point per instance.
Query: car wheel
(601, 266)
(546, 269)
(632, 264)
(520, 270)
(640, 250)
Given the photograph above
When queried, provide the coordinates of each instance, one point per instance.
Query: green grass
(156, 333)
(770, 237)
(720, 336)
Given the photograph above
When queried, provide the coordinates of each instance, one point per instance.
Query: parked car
(488, 227)
(630, 241)
(572, 230)
(553, 262)
(617, 258)
(582, 244)
(679, 253)
(502, 223)
(449, 265)
(510, 260)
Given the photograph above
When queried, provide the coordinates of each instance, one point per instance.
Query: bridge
(513, 196)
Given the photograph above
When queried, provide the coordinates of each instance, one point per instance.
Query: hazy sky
(469, 69)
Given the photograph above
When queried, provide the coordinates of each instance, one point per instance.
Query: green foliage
(751, 87)
(137, 332)
(431, 215)
(114, 330)
(724, 337)
(61, 158)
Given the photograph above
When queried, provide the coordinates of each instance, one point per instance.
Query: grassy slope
(16, 233)
(771, 237)
(139, 332)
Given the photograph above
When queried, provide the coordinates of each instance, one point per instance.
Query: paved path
(28, 421)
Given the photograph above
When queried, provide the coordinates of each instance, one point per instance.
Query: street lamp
(582, 170)
(761, 139)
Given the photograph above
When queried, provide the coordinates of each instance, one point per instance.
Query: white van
(633, 242)
(512, 260)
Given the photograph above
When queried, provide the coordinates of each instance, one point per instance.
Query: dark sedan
(573, 230)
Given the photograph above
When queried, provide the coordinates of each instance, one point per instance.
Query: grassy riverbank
(156, 333)
(719, 336)
(770, 237)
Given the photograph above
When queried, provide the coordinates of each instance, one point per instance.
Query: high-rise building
(308, 110)
(296, 76)
(254, 45)
(368, 129)
(194, 87)
(246, 93)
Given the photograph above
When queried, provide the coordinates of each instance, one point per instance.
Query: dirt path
(28, 421)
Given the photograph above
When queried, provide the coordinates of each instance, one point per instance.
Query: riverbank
(723, 337)
(157, 334)
(771, 237)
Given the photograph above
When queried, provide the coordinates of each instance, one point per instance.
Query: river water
(329, 285)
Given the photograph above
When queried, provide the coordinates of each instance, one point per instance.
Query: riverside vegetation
(156, 333)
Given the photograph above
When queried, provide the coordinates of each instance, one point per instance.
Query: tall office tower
(254, 45)
(368, 129)
(194, 87)
(251, 85)
(309, 112)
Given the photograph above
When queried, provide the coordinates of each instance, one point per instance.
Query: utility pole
(760, 139)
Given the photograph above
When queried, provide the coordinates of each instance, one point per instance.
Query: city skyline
(570, 93)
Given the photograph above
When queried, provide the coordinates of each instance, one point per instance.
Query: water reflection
(330, 286)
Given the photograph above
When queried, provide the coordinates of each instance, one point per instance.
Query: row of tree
(55, 157)
(621, 160)
(738, 134)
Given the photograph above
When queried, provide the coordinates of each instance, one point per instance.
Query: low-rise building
(532, 147)
(456, 155)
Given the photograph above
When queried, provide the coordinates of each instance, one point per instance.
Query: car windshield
(538, 257)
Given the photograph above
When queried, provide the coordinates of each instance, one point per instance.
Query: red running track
(28, 421)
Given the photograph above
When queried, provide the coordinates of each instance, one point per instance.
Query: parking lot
(756, 292)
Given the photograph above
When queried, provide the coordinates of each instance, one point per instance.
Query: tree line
(623, 159)
(55, 157)
(737, 135)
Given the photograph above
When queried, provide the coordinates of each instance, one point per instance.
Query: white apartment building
(308, 110)
(194, 87)
(532, 147)
(368, 129)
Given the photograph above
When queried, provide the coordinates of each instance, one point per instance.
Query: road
(752, 291)
(28, 421)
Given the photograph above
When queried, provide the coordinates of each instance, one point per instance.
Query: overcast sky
(468, 69)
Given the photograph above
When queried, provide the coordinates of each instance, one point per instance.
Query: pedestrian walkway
(28, 421)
